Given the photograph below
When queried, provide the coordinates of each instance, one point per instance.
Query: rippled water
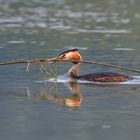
(33, 107)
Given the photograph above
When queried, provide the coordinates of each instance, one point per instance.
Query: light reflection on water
(61, 16)
(107, 31)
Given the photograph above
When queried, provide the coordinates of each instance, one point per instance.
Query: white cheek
(68, 56)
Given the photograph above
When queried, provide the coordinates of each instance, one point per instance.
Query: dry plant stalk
(28, 62)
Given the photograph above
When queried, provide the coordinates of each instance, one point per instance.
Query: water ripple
(16, 42)
(65, 79)
(67, 18)
(119, 31)
(124, 49)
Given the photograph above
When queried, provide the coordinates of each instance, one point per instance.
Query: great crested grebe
(73, 73)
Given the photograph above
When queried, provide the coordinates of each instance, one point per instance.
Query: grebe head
(71, 54)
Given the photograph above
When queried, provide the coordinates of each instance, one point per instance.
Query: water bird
(74, 56)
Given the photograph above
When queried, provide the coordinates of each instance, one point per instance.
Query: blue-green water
(106, 31)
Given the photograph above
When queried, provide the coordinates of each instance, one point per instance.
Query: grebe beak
(57, 58)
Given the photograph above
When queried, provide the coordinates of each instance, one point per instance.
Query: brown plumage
(105, 77)
(73, 73)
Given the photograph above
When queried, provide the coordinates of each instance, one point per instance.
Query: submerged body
(73, 73)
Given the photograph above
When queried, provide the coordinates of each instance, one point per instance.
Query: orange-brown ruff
(73, 73)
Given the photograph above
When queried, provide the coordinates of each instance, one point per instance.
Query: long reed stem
(54, 60)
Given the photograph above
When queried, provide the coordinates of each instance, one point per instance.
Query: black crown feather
(67, 51)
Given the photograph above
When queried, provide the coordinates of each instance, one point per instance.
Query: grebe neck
(74, 71)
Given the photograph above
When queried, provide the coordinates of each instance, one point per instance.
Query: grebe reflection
(72, 101)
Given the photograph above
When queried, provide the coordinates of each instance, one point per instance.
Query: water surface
(106, 31)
